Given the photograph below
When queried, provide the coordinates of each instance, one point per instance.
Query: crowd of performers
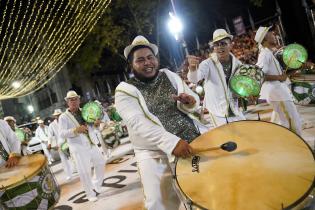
(159, 108)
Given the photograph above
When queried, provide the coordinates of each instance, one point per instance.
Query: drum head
(27, 167)
(91, 112)
(64, 147)
(294, 55)
(272, 168)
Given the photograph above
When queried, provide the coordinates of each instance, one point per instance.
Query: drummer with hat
(82, 141)
(155, 105)
(221, 103)
(274, 89)
(10, 146)
(55, 141)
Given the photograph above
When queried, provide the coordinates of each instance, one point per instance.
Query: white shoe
(100, 190)
(92, 199)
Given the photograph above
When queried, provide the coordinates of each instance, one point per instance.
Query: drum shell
(40, 189)
(303, 89)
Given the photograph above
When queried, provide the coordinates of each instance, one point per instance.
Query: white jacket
(217, 93)
(54, 134)
(42, 134)
(67, 124)
(148, 136)
(272, 90)
(9, 140)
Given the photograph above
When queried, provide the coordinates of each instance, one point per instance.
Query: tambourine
(91, 112)
(294, 55)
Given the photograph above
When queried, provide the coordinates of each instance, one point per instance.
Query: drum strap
(225, 91)
(277, 67)
(3, 153)
(76, 123)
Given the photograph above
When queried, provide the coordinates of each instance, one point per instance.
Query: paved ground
(122, 183)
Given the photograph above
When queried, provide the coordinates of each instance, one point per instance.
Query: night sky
(207, 15)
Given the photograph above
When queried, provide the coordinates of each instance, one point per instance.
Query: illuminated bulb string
(38, 37)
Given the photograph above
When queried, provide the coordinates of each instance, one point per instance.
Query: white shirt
(9, 140)
(42, 133)
(54, 135)
(272, 90)
(218, 95)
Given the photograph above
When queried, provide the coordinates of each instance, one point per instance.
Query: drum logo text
(195, 164)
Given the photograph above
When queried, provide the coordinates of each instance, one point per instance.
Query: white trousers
(85, 158)
(218, 121)
(46, 151)
(157, 183)
(66, 163)
(288, 115)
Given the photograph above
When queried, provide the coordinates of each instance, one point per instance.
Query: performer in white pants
(42, 134)
(55, 141)
(274, 89)
(82, 141)
(217, 70)
(155, 105)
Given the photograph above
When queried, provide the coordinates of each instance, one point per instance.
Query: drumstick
(227, 146)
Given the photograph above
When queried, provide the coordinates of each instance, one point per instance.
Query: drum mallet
(227, 146)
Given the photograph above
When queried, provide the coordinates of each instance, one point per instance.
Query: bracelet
(14, 155)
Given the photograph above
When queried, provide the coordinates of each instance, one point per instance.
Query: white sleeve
(131, 112)
(13, 142)
(263, 62)
(65, 130)
(50, 133)
(201, 73)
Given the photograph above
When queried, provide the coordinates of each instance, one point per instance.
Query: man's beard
(143, 78)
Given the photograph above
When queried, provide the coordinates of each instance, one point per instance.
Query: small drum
(303, 89)
(29, 185)
(92, 111)
(110, 137)
(247, 80)
(272, 168)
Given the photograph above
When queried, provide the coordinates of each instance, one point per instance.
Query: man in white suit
(217, 70)
(82, 141)
(55, 142)
(10, 146)
(155, 105)
(42, 134)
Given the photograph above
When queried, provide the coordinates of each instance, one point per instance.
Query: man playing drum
(221, 103)
(274, 89)
(82, 141)
(10, 146)
(55, 141)
(154, 105)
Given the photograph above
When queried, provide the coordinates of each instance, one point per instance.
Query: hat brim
(66, 98)
(56, 114)
(128, 49)
(221, 37)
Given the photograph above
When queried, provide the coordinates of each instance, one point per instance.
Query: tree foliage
(120, 23)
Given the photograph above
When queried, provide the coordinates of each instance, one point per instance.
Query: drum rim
(290, 206)
(24, 179)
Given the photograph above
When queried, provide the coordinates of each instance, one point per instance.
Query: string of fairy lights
(38, 37)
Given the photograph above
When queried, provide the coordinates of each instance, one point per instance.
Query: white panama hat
(71, 94)
(57, 112)
(40, 121)
(220, 34)
(140, 41)
(261, 33)
(9, 118)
